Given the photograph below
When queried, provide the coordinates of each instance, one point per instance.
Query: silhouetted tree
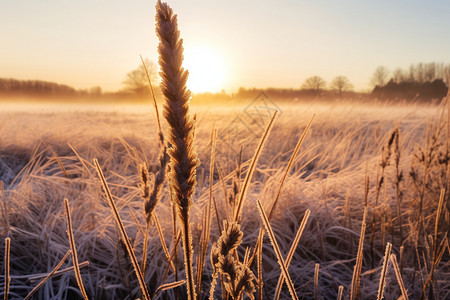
(341, 84)
(136, 81)
(380, 76)
(314, 83)
(399, 75)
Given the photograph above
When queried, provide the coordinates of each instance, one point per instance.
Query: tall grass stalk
(340, 292)
(277, 250)
(123, 232)
(316, 282)
(4, 208)
(74, 250)
(7, 277)
(354, 292)
(183, 157)
(398, 274)
(290, 255)
(207, 216)
(384, 269)
(251, 169)
(43, 281)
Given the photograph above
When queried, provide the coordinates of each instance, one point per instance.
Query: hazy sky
(85, 43)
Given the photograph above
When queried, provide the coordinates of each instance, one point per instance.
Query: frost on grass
(46, 157)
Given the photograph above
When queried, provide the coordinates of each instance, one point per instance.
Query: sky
(88, 43)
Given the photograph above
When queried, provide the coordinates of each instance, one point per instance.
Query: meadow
(258, 200)
(47, 155)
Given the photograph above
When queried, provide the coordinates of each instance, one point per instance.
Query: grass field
(46, 155)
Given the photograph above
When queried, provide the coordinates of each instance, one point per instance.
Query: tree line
(419, 81)
(422, 81)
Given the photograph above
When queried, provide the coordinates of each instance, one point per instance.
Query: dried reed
(4, 209)
(40, 284)
(290, 255)
(384, 269)
(74, 250)
(316, 282)
(354, 293)
(7, 277)
(277, 250)
(398, 274)
(207, 217)
(251, 169)
(183, 158)
(340, 292)
(123, 232)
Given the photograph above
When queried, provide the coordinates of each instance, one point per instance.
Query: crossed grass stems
(178, 161)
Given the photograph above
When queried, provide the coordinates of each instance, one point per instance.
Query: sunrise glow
(207, 69)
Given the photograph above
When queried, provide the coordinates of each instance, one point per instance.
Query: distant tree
(380, 76)
(314, 83)
(136, 81)
(95, 91)
(341, 84)
(399, 76)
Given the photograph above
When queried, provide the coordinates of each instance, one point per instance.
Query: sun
(207, 69)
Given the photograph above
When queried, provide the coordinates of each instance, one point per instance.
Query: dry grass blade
(438, 216)
(276, 248)
(82, 161)
(260, 282)
(125, 238)
(316, 282)
(40, 284)
(290, 255)
(74, 250)
(69, 269)
(4, 208)
(354, 293)
(290, 163)
(172, 257)
(399, 276)
(7, 278)
(153, 95)
(163, 242)
(387, 254)
(171, 285)
(60, 164)
(207, 219)
(251, 169)
(340, 292)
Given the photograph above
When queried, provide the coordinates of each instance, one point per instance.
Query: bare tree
(136, 81)
(379, 77)
(399, 76)
(314, 83)
(341, 84)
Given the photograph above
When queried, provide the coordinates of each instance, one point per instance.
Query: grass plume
(183, 157)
